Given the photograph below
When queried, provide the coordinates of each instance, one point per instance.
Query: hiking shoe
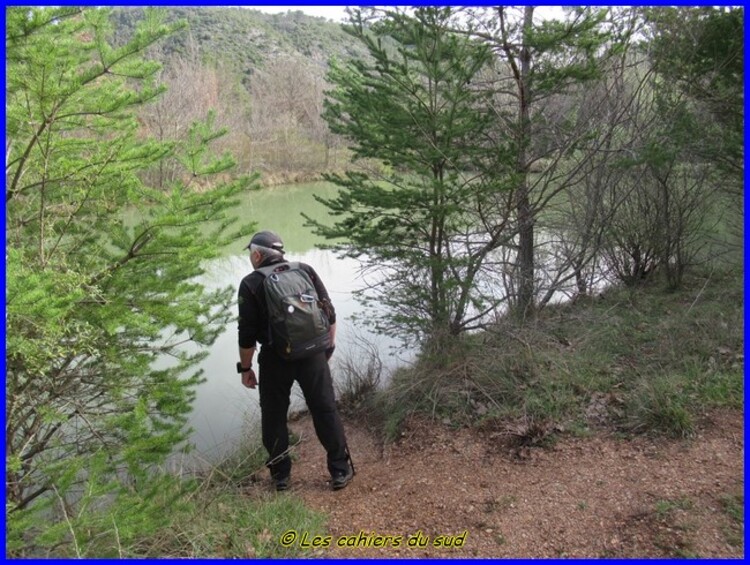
(341, 478)
(281, 483)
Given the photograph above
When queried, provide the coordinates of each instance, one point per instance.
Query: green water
(224, 412)
(280, 209)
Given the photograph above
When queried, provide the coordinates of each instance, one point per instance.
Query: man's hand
(248, 379)
(246, 360)
(329, 352)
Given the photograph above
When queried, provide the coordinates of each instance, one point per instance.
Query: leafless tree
(657, 199)
(286, 128)
(193, 90)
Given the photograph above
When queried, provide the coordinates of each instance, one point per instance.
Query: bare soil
(596, 496)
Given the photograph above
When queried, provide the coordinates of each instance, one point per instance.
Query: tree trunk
(525, 306)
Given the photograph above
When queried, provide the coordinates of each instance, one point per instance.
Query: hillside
(247, 39)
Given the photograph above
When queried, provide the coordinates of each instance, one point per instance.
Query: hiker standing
(286, 308)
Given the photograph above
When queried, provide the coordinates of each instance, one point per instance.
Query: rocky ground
(440, 492)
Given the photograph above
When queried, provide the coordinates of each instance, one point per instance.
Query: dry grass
(638, 360)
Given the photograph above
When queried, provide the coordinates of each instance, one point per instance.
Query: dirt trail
(599, 496)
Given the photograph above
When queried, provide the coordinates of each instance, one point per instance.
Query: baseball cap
(267, 239)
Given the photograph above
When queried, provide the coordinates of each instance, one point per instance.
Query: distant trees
(193, 89)
(287, 130)
(100, 281)
(263, 75)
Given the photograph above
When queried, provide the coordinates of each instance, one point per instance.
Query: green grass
(733, 506)
(639, 360)
(674, 530)
(232, 524)
(665, 508)
(233, 513)
(660, 404)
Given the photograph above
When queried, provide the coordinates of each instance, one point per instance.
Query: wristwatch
(241, 369)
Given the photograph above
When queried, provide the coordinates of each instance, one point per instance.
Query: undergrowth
(232, 514)
(639, 360)
(224, 510)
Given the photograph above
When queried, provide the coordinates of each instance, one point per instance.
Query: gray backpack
(298, 326)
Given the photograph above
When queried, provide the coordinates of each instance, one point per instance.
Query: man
(277, 375)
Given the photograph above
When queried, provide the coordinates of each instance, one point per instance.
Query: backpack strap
(268, 270)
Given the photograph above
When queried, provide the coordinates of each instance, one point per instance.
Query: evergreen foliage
(101, 287)
(428, 224)
(468, 134)
(699, 52)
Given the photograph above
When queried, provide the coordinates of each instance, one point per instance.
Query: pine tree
(101, 283)
(700, 52)
(426, 219)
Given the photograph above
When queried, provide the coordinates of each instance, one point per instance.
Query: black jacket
(252, 324)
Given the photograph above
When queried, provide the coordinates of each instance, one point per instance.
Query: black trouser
(314, 377)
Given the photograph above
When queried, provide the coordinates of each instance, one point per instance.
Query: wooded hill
(263, 77)
(247, 39)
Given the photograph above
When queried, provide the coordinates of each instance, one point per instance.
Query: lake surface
(225, 412)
